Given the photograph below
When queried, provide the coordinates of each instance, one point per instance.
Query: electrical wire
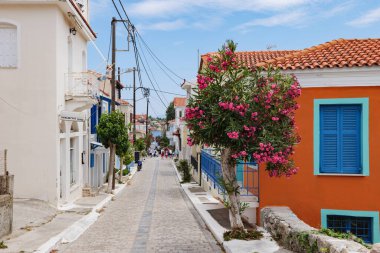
(137, 54)
(154, 79)
(167, 92)
(171, 71)
(155, 60)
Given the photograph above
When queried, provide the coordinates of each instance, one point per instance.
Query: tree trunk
(111, 166)
(232, 189)
(121, 167)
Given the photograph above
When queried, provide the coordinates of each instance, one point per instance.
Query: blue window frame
(341, 136)
(92, 160)
(359, 226)
(94, 119)
(363, 224)
(340, 140)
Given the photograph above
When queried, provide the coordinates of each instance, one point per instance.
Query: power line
(137, 55)
(151, 81)
(154, 79)
(167, 92)
(171, 71)
(155, 60)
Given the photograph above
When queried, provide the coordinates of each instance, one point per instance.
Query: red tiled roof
(334, 54)
(179, 101)
(122, 102)
(250, 59)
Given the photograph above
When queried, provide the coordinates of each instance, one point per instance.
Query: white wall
(29, 121)
(34, 94)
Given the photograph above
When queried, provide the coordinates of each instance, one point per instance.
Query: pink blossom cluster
(267, 154)
(289, 172)
(254, 116)
(229, 52)
(214, 68)
(190, 141)
(203, 81)
(239, 154)
(294, 91)
(241, 108)
(250, 130)
(233, 135)
(191, 113)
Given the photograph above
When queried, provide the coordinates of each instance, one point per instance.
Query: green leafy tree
(111, 132)
(148, 140)
(140, 144)
(170, 112)
(164, 141)
(245, 114)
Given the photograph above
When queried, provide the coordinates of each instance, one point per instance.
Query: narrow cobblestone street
(150, 215)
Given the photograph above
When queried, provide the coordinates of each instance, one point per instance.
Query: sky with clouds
(176, 30)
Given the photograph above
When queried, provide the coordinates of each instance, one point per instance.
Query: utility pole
(134, 105)
(147, 117)
(113, 81)
(119, 80)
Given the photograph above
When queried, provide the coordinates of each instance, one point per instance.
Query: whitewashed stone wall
(295, 235)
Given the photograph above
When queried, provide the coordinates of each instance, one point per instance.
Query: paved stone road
(151, 215)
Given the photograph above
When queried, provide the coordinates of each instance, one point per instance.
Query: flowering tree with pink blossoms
(245, 114)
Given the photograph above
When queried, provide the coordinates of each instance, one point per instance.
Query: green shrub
(125, 172)
(340, 235)
(184, 167)
(2, 245)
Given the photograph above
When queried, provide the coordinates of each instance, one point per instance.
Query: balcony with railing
(80, 84)
(247, 174)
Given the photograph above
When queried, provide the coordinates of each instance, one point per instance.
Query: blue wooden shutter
(340, 139)
(350, 139)
(329, 116)
(93, 119)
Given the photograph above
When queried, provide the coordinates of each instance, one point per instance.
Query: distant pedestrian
(162, 154)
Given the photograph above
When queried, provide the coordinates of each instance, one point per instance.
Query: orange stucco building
(338, 183)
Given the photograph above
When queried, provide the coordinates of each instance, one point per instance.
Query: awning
(95, 144)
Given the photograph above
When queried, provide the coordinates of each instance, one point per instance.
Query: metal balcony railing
(247, 173)
(80, 84)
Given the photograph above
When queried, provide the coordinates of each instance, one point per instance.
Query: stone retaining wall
(295, 235)
(6, 214)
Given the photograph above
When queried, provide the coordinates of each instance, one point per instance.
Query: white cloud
(368, 18)
(163, 26)
(340, 8)
(160, 8)
(288, 19)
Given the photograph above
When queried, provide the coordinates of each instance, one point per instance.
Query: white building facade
(46, 96)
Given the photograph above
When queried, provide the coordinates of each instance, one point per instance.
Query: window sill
(342, 175)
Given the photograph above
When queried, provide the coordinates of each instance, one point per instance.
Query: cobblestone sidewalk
(150, 215)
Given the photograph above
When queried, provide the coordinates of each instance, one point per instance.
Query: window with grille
(8, 45)
(359, 226)
(340, 139)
